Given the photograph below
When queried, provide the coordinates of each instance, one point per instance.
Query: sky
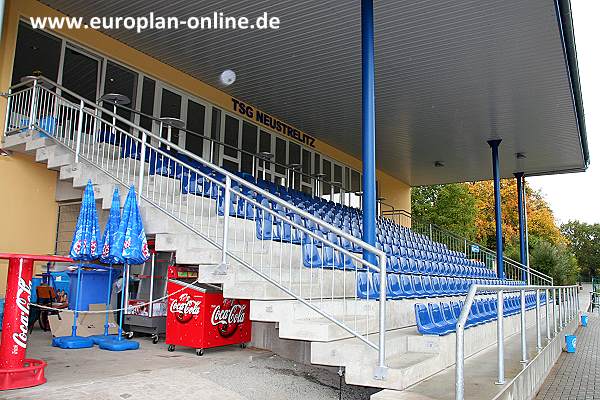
(577, 196)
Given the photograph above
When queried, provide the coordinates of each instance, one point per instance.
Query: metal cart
(151, 280)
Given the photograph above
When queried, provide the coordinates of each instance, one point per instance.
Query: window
(306, 161)
(170, 106)
(327, 178)
(195, 123)
(37, 53)
(294, 159)
(147, 105)
(249, 139)
(231, 138)
(355, 182)
(121, 80)
(80, 74)
(215, 132)
(280, 155)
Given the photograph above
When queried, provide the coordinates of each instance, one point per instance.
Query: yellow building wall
(27, 209)
(19, 175)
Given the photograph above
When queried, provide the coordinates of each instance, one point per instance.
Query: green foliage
(584, 240)
(467, 209)
(555, 260)
(449, 206)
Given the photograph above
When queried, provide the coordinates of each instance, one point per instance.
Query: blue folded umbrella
(84, 247)
(129, 247)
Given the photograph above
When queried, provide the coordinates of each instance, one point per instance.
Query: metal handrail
(228, 189)
(568, 299)
(254, 156)
(521, 267)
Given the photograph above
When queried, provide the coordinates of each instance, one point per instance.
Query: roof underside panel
(450, 75)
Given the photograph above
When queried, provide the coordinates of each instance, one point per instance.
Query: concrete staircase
(411, 357)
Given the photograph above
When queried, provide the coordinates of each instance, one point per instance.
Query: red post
(16, 313)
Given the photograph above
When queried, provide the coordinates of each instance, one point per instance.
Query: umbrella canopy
(130, 245)
(84, 246)
(112, 227)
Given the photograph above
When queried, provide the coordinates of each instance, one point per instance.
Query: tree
(584, 240)
(555, 260)
(449, 206)
(540, 218)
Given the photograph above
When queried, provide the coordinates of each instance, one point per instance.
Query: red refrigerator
(199, 317)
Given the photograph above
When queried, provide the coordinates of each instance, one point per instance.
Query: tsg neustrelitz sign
(271, 122)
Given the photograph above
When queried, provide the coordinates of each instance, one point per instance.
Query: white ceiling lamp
(227, 77)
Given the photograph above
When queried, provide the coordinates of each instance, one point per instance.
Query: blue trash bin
(35, 282)
(571, 343)
(584, 320)
(94, 286)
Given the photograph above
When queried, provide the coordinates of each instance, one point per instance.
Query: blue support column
(497, 208)
(522, 238)
(368, 127)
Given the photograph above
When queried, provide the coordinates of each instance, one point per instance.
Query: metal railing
(200, 196)
(513, 270)
(338, 193)
(565, 303)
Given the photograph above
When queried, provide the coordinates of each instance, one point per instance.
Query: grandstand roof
(450, 75)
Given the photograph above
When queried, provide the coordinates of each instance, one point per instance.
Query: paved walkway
(577, 376)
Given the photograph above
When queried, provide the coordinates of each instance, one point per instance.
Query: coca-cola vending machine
(198, 316)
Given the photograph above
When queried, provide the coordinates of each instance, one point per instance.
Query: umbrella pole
(76, 314)
(108, 299)
(120, 336)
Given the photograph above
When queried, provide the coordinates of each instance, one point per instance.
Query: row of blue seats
(441, 318)
(407, 286)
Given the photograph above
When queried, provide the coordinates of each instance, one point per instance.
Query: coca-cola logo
(184, 308)
(22, 301)
(228, 316)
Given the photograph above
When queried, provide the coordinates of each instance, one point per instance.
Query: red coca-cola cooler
(199, 317)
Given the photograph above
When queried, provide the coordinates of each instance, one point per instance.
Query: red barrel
(16, 313)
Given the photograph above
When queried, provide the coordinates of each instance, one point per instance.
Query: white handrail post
(79, 129)
(538, 326)
(547, 305)
(381, 370)
(554, 316)
(524, 359)
(33, 109)
(222, 268)
(142, 164)
(560, 311)
(7, 115)
(500, 337)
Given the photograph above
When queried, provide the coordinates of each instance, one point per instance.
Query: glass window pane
(147, 106)
(215, 132)
(355, 185)
(327, 171)
(122, 81)
(36, 53)
(249, 139)
(306, 162)
(230, 166)
(232, 126)
(80, 74)
(170, 106)
(280, 155)
(195, 123)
